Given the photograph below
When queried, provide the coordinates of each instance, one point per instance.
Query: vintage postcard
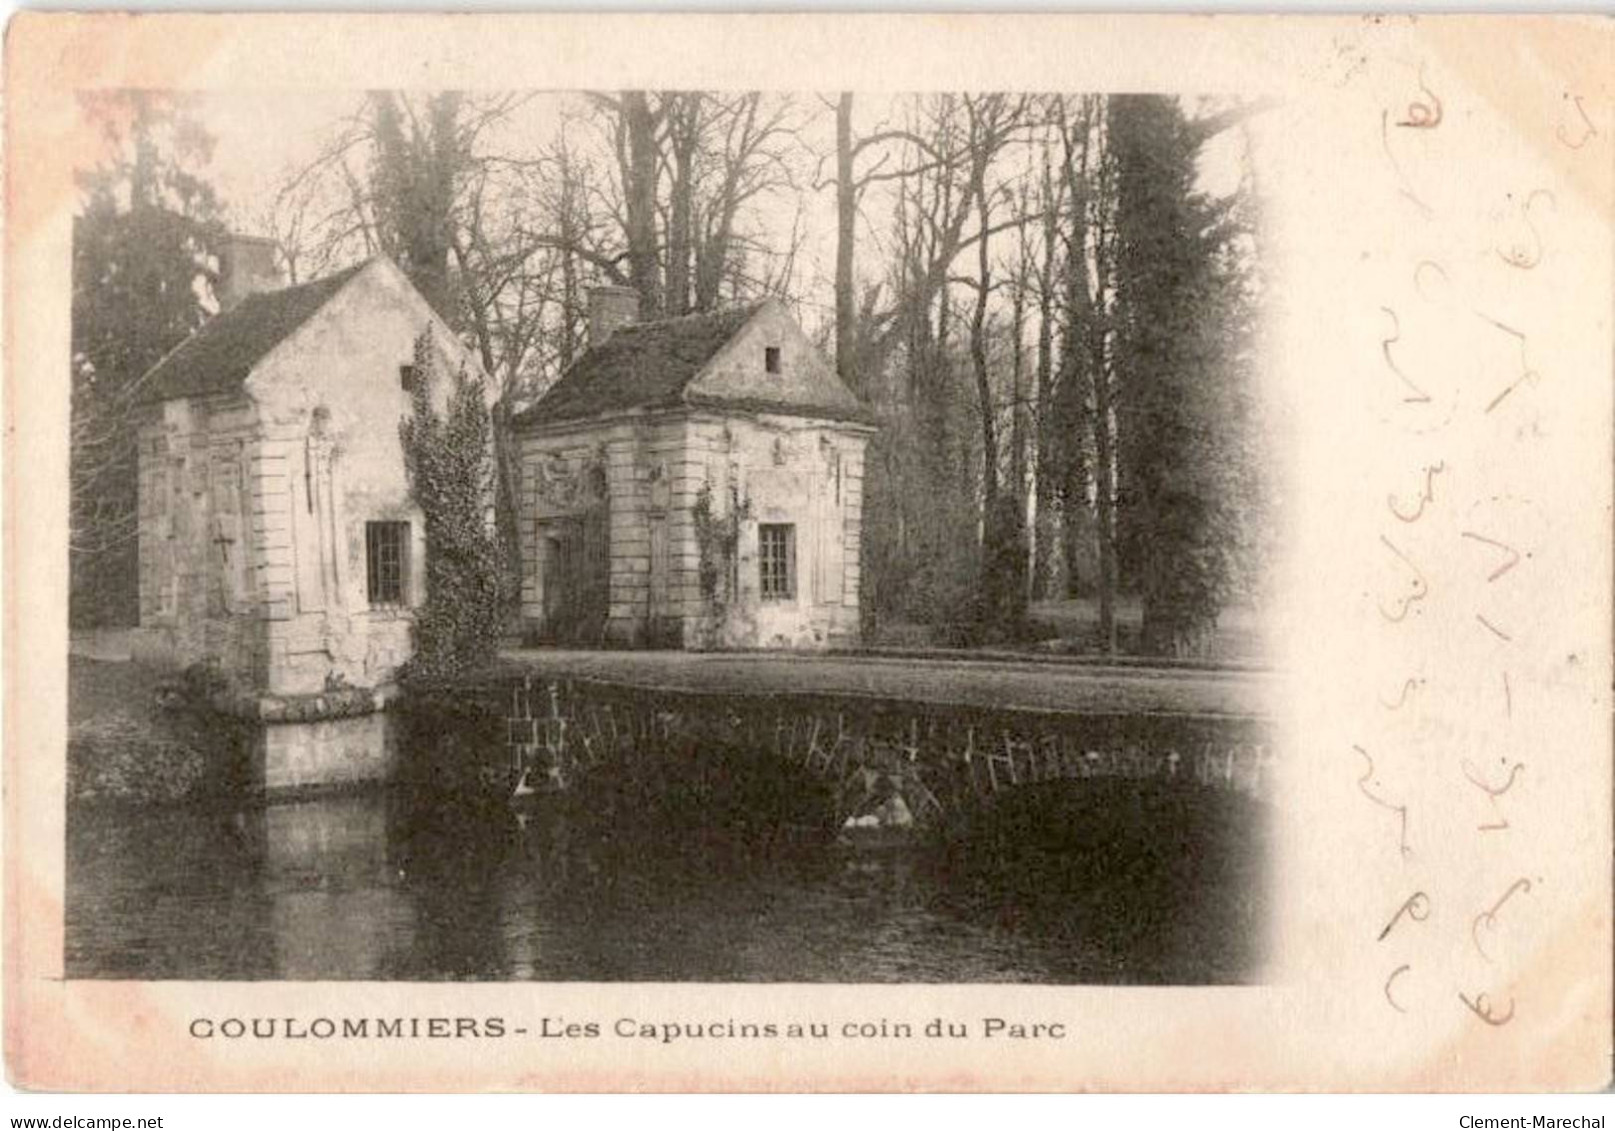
(808, 552)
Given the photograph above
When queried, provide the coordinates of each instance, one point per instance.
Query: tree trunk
(1086, 353)
(644, 271)
(1043, 465)
(846, 224)
(1103, 419)
(1017, 384)
(571, 300)
(684, 115)
(978, 342)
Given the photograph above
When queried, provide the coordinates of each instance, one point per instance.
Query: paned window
(776, 557)
(387, 561)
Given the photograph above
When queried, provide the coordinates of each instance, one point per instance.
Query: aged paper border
(1322, 1022)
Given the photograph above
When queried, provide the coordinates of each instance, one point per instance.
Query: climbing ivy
(450, 465)
(717, 539)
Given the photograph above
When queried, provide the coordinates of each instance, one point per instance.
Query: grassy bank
(1070, 627)
(133, 736)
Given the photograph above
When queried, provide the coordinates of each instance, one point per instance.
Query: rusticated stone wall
(644, 476)
(940, 759)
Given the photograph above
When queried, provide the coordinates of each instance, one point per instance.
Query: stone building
(693, 482)
(277, 536)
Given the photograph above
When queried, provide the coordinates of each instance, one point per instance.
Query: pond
(697, 866)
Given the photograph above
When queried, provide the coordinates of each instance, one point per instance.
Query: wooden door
(576, 579)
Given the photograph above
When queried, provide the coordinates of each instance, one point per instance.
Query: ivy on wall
(717, 540)
(449, 459)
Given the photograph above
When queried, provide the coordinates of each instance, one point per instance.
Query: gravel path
(1085, 688)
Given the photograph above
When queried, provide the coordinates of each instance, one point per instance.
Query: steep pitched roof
(642, 365)
(218, 357)
(649, 365)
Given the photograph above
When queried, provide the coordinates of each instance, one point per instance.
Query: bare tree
(751, 138)
(1052, 199)
(685, 122)
(862, 340)
(1085, 356)
(635, 131)
(994, 122)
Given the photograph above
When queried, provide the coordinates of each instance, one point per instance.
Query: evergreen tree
(421, 162)
(1001, 613)
(144, 248)
(1182, 376)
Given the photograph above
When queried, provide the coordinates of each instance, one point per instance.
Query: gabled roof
(218, 357)
(651, 365)
(642, 365)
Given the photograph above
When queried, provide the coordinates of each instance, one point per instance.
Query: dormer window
(771, 359)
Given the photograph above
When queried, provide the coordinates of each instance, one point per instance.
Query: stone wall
(779, 468)
(649, 581)
(944, 759)
(201, 572)
(330, 398)
(789, 470)
(738, 374)
(331, 752)
(254, 508)
(564, 492)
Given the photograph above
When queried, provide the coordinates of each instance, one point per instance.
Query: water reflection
(387, 885)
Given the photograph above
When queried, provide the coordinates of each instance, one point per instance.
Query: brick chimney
(248, 265)
(611, 308)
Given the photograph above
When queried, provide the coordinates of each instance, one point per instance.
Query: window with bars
(387, 561)
(776, 557)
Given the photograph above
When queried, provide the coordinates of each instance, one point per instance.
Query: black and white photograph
(668, 536)
(799, 552)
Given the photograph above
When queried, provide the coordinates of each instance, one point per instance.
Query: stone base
(343, 703)
(326, 753)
